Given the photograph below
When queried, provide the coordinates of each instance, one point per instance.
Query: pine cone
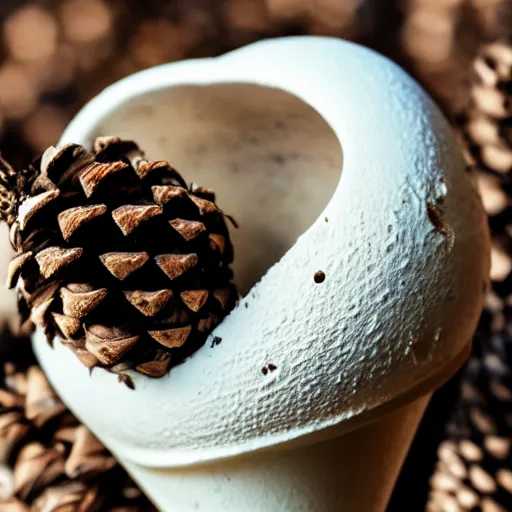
(119, 257)
(473, 469)
(49, 462)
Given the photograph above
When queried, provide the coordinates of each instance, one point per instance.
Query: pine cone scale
(73, 218)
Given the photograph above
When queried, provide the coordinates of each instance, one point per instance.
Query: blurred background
(57, 54)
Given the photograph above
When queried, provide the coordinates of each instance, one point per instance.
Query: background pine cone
(119, 257)
(473, 470)
(48, 460)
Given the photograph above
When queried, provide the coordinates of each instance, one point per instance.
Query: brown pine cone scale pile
(49, 462)
(117, 255)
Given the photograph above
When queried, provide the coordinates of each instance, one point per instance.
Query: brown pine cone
(117, 255)
(49, 462)
(473, 470)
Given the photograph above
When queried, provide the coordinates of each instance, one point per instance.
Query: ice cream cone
(312, 397)
(355, 471)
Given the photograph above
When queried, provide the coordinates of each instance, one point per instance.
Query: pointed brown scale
(52, 259)
(41, 301)
(129, 217)
(148, 303)
(203, 191)
(171, 338)
(66, 163)
(22, 292)
(42, 183)
(146, 167)
(86, 358)
(174, 265)
(162, 194)
(87, 455)
(73, 218)
(122, 378)
(204, 205)
(122, 264)
(223, 296)
(102, 143)
(41, 402)
(95, 173)
(47, 157)
(15, 267)
(188, 229)
(9, 196)
(194, 299)
(207, 324)
(32, 205)
(108, 344)
(15, 236)
(217, 242)
(67, 325)
(174, 316)
(78, 304)
(38, 313)
(109, 148)
(36, 467)
(158, 367)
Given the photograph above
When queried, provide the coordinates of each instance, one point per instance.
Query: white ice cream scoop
(330, 156)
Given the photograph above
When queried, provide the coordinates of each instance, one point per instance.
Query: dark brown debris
(122, 378)
(319, 277)
(435, 216)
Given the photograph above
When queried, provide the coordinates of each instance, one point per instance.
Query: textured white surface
(399, 300)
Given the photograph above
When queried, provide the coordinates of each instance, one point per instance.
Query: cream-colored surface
(351, 473)
(401, 296)
(273, 161)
